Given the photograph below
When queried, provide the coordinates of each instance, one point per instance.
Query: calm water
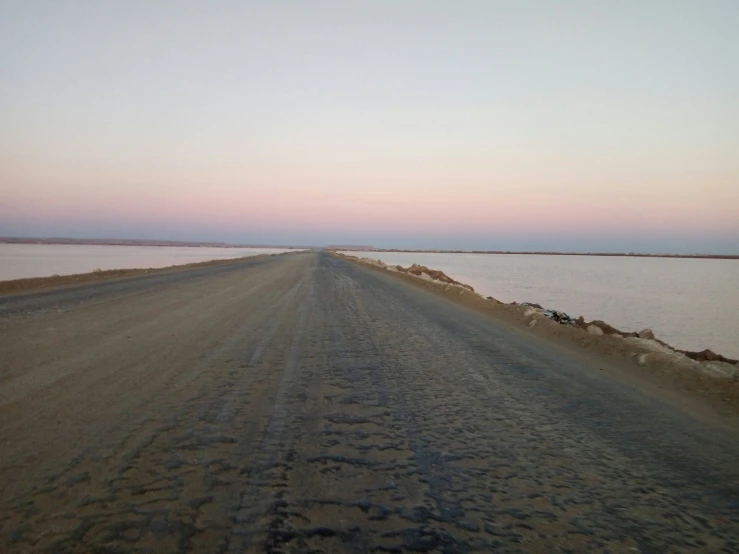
(18, 261)
(690, 304)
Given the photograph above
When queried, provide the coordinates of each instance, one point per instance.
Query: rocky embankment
(641, 347)
(418, 270)
(598, 327)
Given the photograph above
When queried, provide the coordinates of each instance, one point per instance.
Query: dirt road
(303, 404)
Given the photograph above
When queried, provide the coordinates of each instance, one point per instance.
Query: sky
(514, 125)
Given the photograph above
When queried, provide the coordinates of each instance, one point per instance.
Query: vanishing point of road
(301, 403)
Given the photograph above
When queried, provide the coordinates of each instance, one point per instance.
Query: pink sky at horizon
(307, 198)
(466, 125)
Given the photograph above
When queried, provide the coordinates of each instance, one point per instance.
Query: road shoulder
(681, 385)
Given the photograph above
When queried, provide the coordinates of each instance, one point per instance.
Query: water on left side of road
(21, 261)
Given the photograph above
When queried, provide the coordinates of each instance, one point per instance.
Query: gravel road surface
(301, 403)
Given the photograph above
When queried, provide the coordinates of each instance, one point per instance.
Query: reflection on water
(690, 303)
(18, 261)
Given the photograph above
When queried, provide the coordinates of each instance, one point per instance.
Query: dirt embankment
(37, 283)
(706, 373)
(418, 270)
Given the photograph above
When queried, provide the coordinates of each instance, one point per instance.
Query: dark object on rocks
(559, 317)
(646, 334)
(554, 315)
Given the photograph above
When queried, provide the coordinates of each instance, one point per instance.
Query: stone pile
(598, 327)
(435, 275)
(554, 315)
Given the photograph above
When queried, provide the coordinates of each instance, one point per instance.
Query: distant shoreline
(535, 253)
(137, 242)
(332, 248)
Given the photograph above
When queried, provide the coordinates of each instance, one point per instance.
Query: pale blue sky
(261, 121)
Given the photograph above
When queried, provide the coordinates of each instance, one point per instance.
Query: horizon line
(347, 248)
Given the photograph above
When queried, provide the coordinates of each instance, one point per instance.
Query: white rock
(530, 311)
(717, 370)
(722, 370)
(660, 349)
(646, 334)
(594, 330)
(426, 276)
(532, 323)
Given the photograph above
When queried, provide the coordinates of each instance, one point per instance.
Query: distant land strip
(538, 253)
(137, 242)
(349, 248)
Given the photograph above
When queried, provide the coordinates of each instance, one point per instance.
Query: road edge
(35, 284)
(665, 374)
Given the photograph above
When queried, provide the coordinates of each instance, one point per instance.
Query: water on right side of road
(692, 304)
